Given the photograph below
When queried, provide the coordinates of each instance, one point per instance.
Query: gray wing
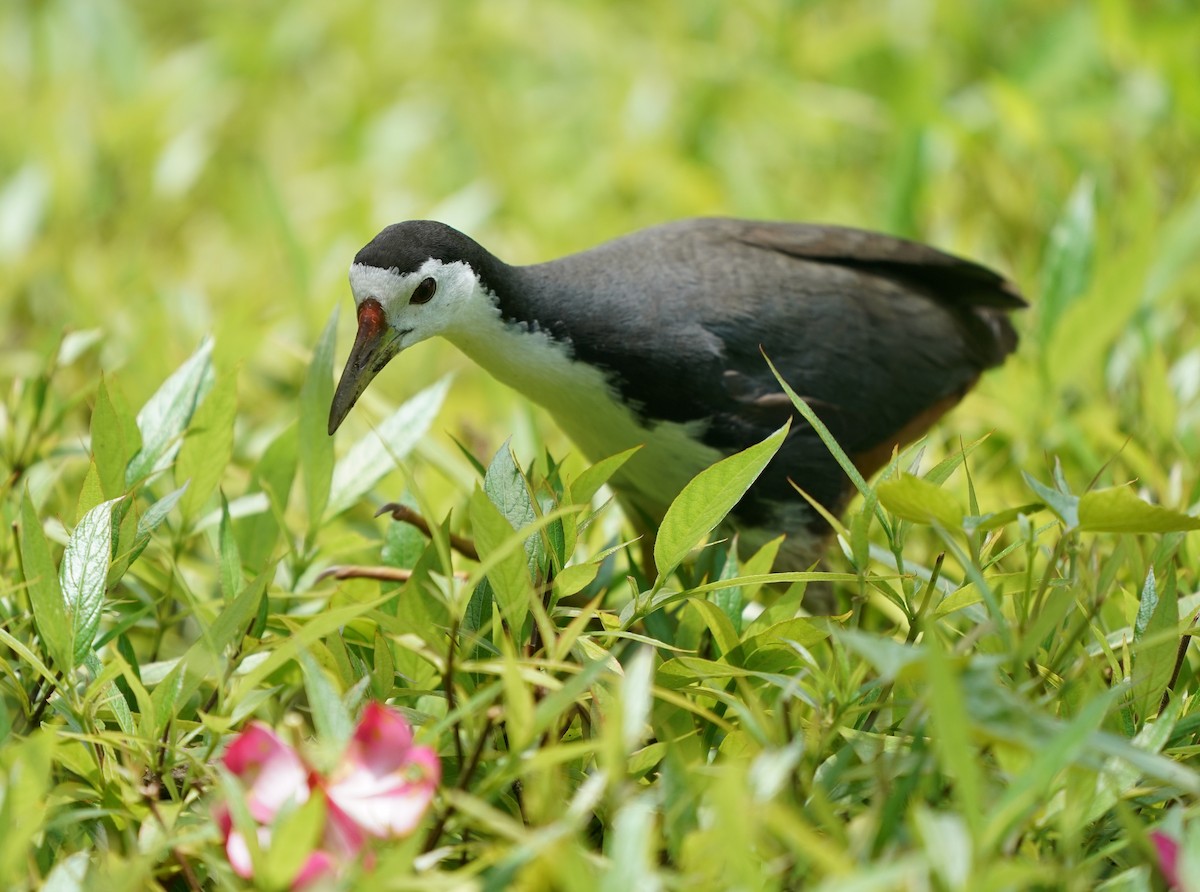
(880, 335)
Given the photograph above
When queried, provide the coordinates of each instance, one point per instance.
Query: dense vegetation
(1005, 698)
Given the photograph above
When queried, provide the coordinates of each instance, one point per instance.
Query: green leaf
(983, 523)
(1065, 505)
(331, 719)
(83, 576)
(403, 544)
(165, 416)
(383, 669)
(591, 479)
(152, 520)
(28, 770)
(45, 595)
(1037, 782)
(372, 457)
(1155, 646)
(1067, 268)
(951, 730)
(1119, 510)
(509, 573)
(706, 500)
(505, 486)
(227, 550)
(272, 476)
(91, 493)
(203, 660)
(725, 636)
(911, 498)
(125, 520)
(115, 439)
(731, 600)
(316, 446)
(208, 447)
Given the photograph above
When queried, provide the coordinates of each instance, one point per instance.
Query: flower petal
(318, 865)
(238, 852)
(384, 783)
(271, 770)
(1168, 857)
(381, 740)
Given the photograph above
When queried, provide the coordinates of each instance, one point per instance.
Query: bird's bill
(375, 344)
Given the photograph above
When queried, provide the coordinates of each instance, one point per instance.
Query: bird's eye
(424, 292)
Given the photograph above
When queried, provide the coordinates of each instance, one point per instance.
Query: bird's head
(413, 281)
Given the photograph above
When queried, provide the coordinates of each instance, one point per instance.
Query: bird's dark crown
(405, 246)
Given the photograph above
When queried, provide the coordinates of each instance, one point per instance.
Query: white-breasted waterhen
(657, 338)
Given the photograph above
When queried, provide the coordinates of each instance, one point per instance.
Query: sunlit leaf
(707, 498)
(115, 439)
(1066, 506)
(1119, 510)
(83, 575)
(208, 446)
(1156, 643)
(509, 577)
(592, 478)
(166, 414)
(45, 594)
(911, 498)
(315, 444)
(372, 457)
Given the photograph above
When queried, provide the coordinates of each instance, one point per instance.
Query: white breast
(587, 409)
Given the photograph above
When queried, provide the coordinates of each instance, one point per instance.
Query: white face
(456, 289)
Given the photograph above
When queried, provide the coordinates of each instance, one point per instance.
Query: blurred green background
(171, 170)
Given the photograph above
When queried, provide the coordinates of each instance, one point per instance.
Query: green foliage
(1005, 695)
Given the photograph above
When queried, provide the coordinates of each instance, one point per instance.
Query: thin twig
(1180, 655)
(464, 777)
(36, 718)
(405, 514)
(383, 574)
(448, 686)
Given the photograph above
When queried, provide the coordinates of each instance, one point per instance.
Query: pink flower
(384, 783)
(381, 787)
(1168, 857)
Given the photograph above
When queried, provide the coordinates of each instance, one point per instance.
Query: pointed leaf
(115, 439)
(165, 416)
(1067, 269)
(83, 576)
(1065, 505)
(911, 498)
(208, 447)
(509, 577)
(1119, 510)
(316, 446)
(372, 457)
(1156, 643)
(591, 479)
(273, 477)
(45, 595)
(91, 493)
(152, 520)
(707, 498)
(229, 559)
(331, 719)
(505, 486)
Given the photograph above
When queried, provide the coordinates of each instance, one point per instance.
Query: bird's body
(657, 339)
